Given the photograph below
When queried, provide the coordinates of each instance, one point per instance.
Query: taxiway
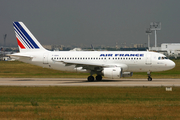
(84, 82)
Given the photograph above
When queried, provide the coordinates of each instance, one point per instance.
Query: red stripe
(20, 44)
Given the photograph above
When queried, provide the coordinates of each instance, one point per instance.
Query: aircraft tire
(98, 77)
(90, 78)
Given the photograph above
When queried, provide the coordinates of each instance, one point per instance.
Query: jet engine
(113, 73)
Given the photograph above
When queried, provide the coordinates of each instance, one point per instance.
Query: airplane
(110, 64)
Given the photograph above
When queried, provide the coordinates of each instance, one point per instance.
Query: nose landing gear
(149, 76)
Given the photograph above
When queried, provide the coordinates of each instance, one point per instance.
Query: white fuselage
(129, 61)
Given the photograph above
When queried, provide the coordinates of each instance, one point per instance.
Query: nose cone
(171, 64)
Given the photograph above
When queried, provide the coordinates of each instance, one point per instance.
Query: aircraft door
(45, 58)
(148, 59)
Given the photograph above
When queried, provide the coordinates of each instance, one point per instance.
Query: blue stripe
(21, 38)
(27, 36)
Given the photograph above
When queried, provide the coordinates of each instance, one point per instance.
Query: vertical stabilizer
(25, 39)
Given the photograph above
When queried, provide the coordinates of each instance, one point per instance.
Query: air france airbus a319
(110, 64)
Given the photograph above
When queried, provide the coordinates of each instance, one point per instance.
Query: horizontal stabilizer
(20, 56)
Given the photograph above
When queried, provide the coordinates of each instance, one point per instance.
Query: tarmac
(83, 82)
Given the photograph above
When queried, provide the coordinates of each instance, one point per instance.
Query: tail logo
(24, 37)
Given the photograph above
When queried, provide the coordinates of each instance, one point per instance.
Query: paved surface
(84, 82)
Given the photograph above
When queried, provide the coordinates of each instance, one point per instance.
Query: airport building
(168, 49)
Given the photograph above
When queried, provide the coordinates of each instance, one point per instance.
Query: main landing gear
(149, 76)
(98, 77)
(91, 78)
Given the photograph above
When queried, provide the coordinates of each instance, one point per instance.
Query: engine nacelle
(115, 72)
(127, 74)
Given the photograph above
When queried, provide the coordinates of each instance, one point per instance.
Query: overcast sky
(97, 22)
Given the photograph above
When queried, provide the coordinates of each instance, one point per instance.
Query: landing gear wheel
(149, 76)
(90, 78)
(149, 79)
(98, 77)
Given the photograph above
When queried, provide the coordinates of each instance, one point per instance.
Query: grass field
(107, 103)
(16, 69)
(85, 103)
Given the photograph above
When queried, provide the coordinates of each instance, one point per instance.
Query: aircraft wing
(92, 66)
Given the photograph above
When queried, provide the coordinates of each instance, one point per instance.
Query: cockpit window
(162, 58)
